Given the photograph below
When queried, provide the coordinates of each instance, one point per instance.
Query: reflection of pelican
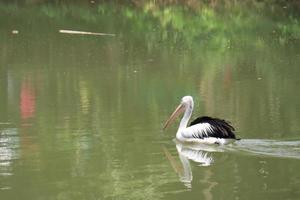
(203, 129)
(197, 155)
(200, 154)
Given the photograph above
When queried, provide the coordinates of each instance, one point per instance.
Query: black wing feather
(221, 128)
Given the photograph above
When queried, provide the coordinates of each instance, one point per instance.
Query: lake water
(81, 116)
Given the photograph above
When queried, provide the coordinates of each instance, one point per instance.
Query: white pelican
(203, 129)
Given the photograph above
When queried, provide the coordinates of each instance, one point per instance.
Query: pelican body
(204, 129)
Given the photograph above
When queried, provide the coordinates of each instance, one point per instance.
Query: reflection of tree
(180, 22)
(254, 83)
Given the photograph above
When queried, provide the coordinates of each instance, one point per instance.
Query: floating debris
(15, 32)
(85, 33)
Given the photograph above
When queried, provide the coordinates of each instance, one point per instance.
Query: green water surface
(81, 116)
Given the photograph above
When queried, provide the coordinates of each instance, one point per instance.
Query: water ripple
(276, 148)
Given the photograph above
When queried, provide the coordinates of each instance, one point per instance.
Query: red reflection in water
(27, 113)
(27, 103)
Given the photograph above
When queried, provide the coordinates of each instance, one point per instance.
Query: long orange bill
(175, 114)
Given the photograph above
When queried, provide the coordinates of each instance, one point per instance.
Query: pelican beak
(175, 114)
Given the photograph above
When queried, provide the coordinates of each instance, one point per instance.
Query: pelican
(204, 129)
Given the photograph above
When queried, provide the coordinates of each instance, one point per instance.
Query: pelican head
(186, 105)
